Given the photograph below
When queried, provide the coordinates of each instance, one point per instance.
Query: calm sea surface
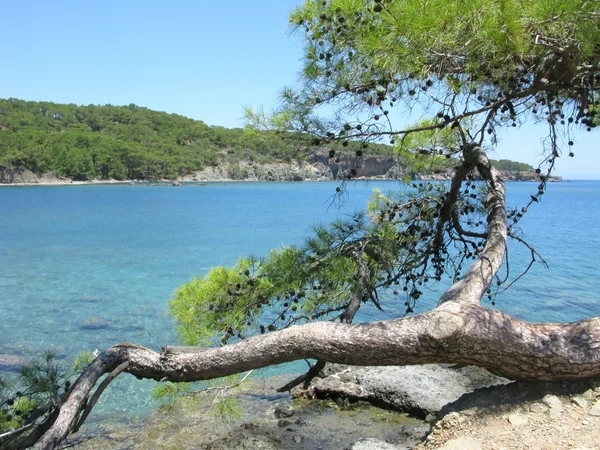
(116, 253)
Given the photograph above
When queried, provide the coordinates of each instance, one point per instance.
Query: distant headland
(49, 143)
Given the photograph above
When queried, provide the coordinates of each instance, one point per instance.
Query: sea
(85, 267)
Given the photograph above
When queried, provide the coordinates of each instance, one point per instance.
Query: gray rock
(517, 419)
(595, 410)
(414, 433)
(537, 407)
(580, 401)
(373, 444)
(297, 439)
(462, 443)
(315, 167)
(282, 423)
(243, 442)
(588, 395)
(555, 413)
(425, 388)
(552, 402)
(283, 412)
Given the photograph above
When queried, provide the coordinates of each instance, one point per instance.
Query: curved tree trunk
(451, 333)
(458, 330)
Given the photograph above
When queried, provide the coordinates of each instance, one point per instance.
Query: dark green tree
(101, 142)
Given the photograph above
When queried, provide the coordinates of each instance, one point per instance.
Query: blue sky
(198, 58)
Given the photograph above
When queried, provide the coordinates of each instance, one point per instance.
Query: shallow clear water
(116, 253)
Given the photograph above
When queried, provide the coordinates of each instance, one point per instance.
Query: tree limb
(452, 333)
(88, 409)
(471, 287)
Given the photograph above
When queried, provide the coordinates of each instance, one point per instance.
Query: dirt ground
(542, 421)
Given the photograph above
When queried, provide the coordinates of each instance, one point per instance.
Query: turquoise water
(115, 254)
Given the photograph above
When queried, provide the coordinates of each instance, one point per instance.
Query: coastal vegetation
(475, 68)
(129, 142)
(121, 142)
(135, 143)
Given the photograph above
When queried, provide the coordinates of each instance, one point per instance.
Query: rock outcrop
(319, 166)
(248, 171)
(420, 390)
(367, 166)
(315, 167)
(9, 175)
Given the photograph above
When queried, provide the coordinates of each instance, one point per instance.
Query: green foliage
(488, 38)
(43, 377)
(459, 71)
(465, 69)
(41, 381)
(291, 285)
(424, 152)
(348, 258)
(82, 360)
(506, 164)
(15, 414)
(169, 392)
(122, 142)
(425, 163)
(209, 309)
(118, 142)
(227, 409)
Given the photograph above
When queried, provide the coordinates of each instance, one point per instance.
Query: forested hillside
(133, 142)
(121, 142)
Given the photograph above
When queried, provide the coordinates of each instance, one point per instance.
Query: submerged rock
(11, 363)
(281, 412)
(95, 323)
(193, 423)
(90, 298)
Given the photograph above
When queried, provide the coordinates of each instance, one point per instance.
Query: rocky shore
(267, 420)
(315, 167)
(374, 408)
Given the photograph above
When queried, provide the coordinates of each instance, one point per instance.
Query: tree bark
(459, 330)
(452, 333)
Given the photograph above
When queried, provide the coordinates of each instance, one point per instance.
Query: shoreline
(179, 183)
(373, 168)
(486, 411)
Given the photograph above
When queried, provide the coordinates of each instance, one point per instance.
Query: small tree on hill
(471, 68)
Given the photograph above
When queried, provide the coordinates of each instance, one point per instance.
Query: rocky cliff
(320, 167)
(10, 175)
(316, 167)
